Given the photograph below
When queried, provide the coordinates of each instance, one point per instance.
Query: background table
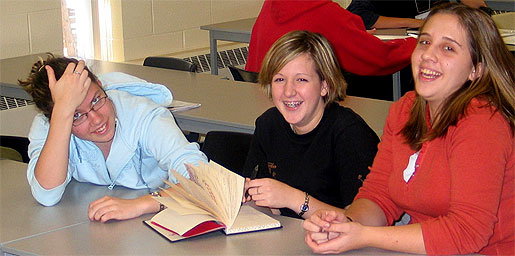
(241, 30)
(233, 31)
(226, 105)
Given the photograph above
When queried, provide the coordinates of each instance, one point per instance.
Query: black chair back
(20, 144)
(228, 149)
(243, 75)
(170, 63)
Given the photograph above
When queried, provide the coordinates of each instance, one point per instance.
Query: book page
(226, 187)
(184, 207)
(194, 193)
(250, 219)
(184, 198)
(223, 187)
(207, 178)
(180, 224)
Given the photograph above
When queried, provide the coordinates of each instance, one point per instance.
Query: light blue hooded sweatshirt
(146, 145)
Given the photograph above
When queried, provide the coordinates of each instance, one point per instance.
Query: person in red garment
(447, 154)
(358, 51)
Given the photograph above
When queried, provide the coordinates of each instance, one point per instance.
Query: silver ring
(77, 72)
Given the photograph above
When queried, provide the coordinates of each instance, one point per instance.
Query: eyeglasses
(96, 105)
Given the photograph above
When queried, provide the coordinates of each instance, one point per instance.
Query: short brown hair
(296, 43)
(36, 84)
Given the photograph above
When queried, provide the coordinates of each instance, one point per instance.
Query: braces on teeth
(292, 104)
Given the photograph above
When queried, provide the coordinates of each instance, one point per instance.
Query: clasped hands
(329, 231)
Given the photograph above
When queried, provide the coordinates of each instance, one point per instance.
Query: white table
(23, 217)
(28, 228)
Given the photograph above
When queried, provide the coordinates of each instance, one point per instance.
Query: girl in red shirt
(447, 155)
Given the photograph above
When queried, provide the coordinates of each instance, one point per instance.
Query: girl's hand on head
(71, 89)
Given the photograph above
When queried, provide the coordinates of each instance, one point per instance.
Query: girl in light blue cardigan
(112, 130)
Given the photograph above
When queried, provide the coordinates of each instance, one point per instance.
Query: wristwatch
(305, 206)
(157, 194)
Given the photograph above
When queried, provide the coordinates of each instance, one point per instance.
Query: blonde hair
(495, 84)
(296, 43)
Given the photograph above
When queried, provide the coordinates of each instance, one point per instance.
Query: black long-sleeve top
(370, 10)
(329, 162)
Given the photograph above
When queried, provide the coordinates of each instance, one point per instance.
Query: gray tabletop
(243, 26)
(23, 217)
(28, 228)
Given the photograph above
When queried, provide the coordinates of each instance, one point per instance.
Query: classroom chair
(242, 75)
(228, 149)
(9, 153)
(18, 144)
(170, 63)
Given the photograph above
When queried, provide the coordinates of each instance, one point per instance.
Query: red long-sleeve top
(462, 193)
(358, 51)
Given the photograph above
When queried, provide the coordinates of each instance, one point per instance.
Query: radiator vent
(10, 102)
(233, 57)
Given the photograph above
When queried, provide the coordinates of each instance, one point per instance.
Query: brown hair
(36, 84)
(296, 43)
(495, 84)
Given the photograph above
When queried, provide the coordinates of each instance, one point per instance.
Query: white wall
(156, 27)
(141, 27)
(29, 27)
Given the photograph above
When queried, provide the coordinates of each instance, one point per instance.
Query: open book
(210, 200)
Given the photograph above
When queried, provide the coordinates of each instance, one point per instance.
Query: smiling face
(99, 127)
(441, 62)
(298, 92)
